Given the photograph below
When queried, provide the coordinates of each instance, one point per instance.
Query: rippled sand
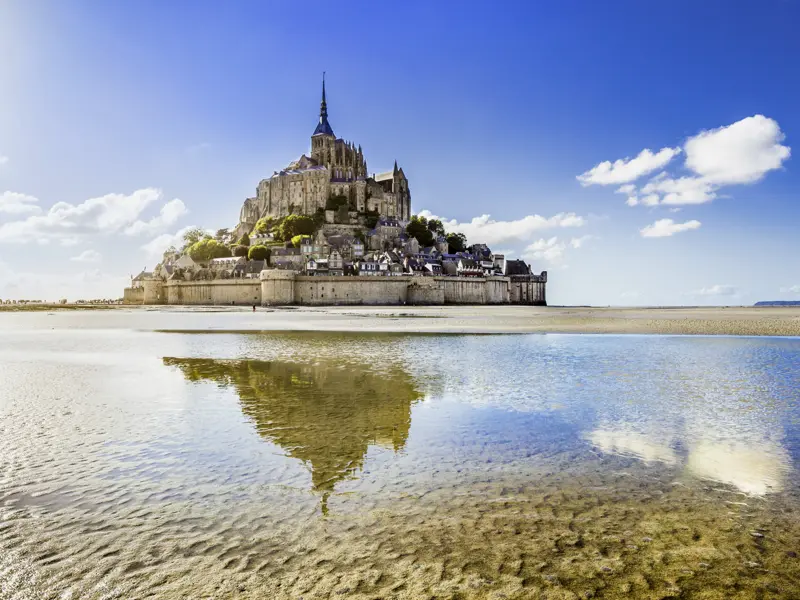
(146, 464)
(565, 535)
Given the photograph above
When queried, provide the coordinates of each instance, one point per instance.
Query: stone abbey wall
(280, 287)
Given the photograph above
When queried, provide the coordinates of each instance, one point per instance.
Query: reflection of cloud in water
(754, 469)
(632, 443)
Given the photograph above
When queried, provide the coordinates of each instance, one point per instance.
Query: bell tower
(323, 138)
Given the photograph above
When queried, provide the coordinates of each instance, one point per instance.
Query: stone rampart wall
(350, 290)
(281, 287)
(475, 290)
(424, 290)
(133, 295)
(227, 291)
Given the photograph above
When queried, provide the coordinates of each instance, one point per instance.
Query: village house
(467, 267)
(317, 266)
(226, 263)
(287, 258)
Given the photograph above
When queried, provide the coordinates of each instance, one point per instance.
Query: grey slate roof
(516, 267)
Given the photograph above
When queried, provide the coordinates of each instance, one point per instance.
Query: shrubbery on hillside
(206, 249)
(259, 252)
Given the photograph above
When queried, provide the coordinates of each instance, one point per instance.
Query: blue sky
(503, 109)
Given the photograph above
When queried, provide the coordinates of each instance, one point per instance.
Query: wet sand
(769, 321)
(527, 319)
(137, 464)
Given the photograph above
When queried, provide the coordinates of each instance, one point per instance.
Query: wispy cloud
(489, 231)
(553, 249)
(14, 203)
(627, 170)
(88, 256)
(668, 227)
(716, 290)
(105, 215)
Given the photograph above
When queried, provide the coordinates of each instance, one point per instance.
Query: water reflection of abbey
(326, 414)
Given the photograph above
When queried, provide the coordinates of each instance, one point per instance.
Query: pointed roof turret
(323, 128)
(395, 166)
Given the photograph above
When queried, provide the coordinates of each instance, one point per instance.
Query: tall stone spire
(323, 128)
(323, 106)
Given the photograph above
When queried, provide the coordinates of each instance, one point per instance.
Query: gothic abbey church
(335, 168)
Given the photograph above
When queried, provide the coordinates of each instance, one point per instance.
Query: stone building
(336, 168)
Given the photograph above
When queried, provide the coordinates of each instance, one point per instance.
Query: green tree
(194, 235)
(264, 224)
(206, 249)
(244, 240)
(297, 240)
(435, 226)
(418, 228)
(259, 252)
(457, 242)
(296, 225)
(222, 234)
(240, 250)
(359, 235)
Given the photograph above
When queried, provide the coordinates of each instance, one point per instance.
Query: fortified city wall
(278, 287)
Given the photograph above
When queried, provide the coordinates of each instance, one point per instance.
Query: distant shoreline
(46, 306)
(743, 321)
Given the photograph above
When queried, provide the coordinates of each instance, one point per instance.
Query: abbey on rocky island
(322, 231)
(335, 168)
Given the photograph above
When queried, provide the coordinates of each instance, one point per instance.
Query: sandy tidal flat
(769, 321)
(526, 319)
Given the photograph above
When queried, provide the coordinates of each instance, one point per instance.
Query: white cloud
(552, 249)
(3, 159)
(792, 289)
(56, 285)
(739, 153)
(87, 256)
(684, 190)
(717, 290)
(169, 214)
(625, 170)
(743, 152)
(486, 230)
(107, 214)
(155, 247)
(14, 203)
(545, 249)
(628, 189)
(579, 242)
(667, 227)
